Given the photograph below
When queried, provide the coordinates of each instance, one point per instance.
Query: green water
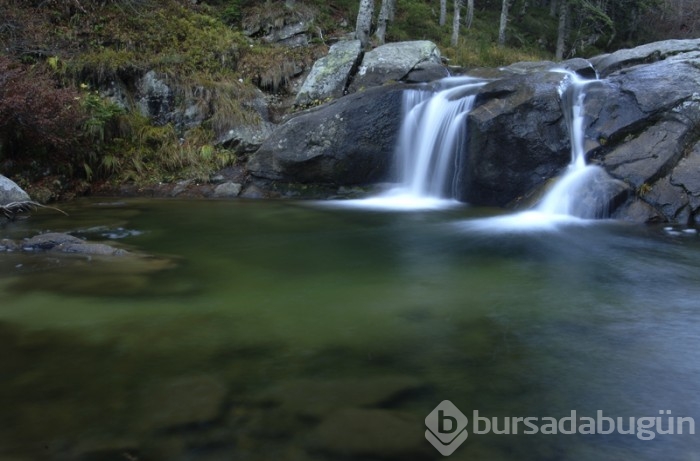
(291, 330)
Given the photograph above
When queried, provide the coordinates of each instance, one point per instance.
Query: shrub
(37, 119)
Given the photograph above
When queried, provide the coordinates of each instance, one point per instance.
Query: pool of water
(298, 330)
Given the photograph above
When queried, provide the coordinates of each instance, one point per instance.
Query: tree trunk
(363, 26)
(504, 22)
(563, 29)
(455, 23)
(443, 12)
(470, 14)
(386, 14)
(553, 8)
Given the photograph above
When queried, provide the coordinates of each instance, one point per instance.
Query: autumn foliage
(37, 118)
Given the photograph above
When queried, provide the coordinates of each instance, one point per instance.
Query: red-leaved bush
(37, 118)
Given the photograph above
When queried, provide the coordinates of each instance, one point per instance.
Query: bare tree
(455, 23)
(443, 12)
(470, 14)
(504, 22)
(363, 26)
(563, 29)
(386, 14)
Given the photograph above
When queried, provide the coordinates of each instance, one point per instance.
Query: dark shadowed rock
(349, 141)
(155, 97)
(517, 139)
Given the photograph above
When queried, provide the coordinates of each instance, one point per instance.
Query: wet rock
(348, 141)
(253, 192)
(183, 402)
(637, 210)
(180, 187)
(517, 139)
(394, 62)
(685, 175)
(315, 398)
(97, 249)
(9, 245)
(50, 241)
(10, 192)
(69, 244)
(643, 129)
(645, 54)
(330, 75)
(373, 434)
(671, 200)
(227, 190)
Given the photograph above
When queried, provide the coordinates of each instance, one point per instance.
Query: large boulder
(645, 54)
(10, 192)
(349, 141)
(400, 61)
(645, 124)
(642, 124)
(517, 139)
(331, 74)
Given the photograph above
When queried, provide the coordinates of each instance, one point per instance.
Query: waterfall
(431, 136)
(429, 145)
(581, 191)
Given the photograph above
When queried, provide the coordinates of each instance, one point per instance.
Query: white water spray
(428, 149)
(431, 136)
(580, 192)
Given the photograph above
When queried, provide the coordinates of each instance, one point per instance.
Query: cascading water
(431, 136)
(574, 193)
(430, 140)
(582, 192)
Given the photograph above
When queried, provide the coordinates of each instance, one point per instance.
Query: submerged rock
(371, 434)
(315, 398)
(66, 243)
(182, 402)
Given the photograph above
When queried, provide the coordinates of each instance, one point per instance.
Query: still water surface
(295, 330)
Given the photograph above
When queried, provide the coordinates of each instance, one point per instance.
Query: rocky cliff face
(642, 126)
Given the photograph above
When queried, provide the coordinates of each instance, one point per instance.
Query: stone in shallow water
(314, 398)
(182, 402)
(11, 192)
(381, 434)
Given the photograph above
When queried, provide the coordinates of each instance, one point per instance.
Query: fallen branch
(11, 210)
